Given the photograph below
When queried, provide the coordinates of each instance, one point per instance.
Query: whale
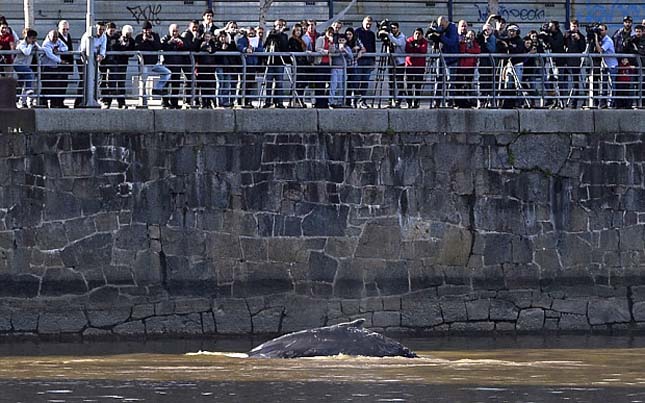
(349, 338)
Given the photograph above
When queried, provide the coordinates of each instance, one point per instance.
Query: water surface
(571, 369)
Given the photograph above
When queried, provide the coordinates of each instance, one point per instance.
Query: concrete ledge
(94, 120)
(619, 121)
(352, 120)
(194, 121)
(556, 121)
(276, 121)
(493, 121)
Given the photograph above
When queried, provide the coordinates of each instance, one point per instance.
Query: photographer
(533, 72)
(574, 42)
(609, 64)
(514, 68)
(622, 35)
(172, 42)
(248, 44)
(148, 41)
(396, 43)
(466, 71)
(277, 41)
(488, 44)
(447, 35)
(415, 66)
(365, 64)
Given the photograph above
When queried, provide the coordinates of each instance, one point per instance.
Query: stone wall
(238, 222)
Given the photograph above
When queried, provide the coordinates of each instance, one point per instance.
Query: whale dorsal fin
(355, 323)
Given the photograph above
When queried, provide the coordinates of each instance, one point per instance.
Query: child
(624, 84)
(342, 58)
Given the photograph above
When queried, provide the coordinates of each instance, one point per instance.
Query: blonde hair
(127, 29)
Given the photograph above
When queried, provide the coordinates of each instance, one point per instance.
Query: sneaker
(362, 105)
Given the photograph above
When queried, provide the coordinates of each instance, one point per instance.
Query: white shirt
(100, 44)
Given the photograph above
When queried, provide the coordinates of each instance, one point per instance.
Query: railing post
(90, 82)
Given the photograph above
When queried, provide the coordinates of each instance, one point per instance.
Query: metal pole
(29, 13)
(331, 8)
(493, 7)
(89, 83)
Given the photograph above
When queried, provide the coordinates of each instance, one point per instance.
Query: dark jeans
(364, 69)
(53, 87)
(320, 80)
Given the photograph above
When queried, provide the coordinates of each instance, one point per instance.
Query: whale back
(345, 338)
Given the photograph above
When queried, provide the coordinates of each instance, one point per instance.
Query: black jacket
(149, 44)
(276, 42)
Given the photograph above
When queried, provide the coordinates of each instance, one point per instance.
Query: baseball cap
(628, 18)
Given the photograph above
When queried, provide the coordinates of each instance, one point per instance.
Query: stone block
(495, 121)
(503, 310)
(175, 324)
(455, 247)
(24, 321)
(303, 313)
(267, 321)
(386, 319)
(453, 310)
(618, 121)
(638, 311)
(194, 121)
(108, 317)
(556, 121)
(143, 311)
(505, 327)
(606, 311)
(547, 152)
(570, 321)
(352, 120)
(72, 321)
(232, 316)
(420, 310)
(577, 306)
(478, 309)
(192, 305)
(379, 241)
(530, 320)
(95, 121)
(276, 121)
(136, 328)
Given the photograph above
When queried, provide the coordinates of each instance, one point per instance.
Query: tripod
(508, 72)
(551, 74)
(381, 69)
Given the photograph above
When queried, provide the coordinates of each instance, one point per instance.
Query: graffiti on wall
(513, 14)
(142, 13)
(607, 13)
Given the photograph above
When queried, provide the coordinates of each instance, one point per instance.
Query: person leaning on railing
(609, 66)
(574, 42)
(97, 52)
(23, 62)
(53, 78)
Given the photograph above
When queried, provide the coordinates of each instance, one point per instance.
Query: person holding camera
(416, 47)
(355, 44)
(109, 64)
(207, 24)
(248, 43)
(396, 41)
(447, 36)
(277, 41)
(340, 59)
(609, 65)
(514, 68)
(574, 42)
(487, 44)
(148, 41)
(172, 42)
(325, 47)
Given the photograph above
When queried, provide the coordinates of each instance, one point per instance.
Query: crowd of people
(335, 65)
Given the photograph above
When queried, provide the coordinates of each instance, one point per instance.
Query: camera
(433, 34)
(384, 30)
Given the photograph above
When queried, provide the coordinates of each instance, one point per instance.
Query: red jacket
(474, 49)
(5, 44)
(412, 46)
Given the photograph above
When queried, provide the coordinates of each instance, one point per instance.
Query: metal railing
(228, 79)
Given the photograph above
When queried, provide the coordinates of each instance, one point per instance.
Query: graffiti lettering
(513, 14)
(143, 13)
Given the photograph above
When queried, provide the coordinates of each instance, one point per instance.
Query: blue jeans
(337, 87)
(26, 79)
(274, 73)
(224, 88)
(364, 71)
(157, 69)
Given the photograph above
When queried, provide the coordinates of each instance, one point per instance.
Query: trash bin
(8, 93)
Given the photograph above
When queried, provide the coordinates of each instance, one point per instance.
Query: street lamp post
(89, 84)
(493, 7)
(29, 13)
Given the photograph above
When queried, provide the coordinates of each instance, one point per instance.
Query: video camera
(592, 31)
(384, 30)
(433, 33)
